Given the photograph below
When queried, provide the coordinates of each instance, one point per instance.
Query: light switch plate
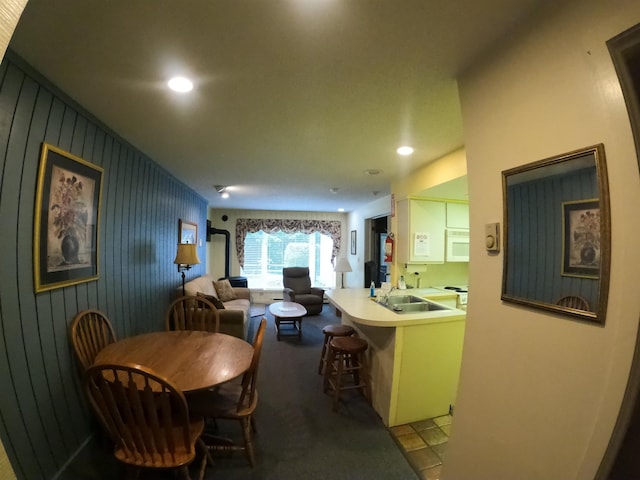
(492, 237)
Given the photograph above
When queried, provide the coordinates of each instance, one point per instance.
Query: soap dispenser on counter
(372, 290)
(401, 283)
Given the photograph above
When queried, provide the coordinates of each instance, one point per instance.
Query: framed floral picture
(66, 220)
(581, 238)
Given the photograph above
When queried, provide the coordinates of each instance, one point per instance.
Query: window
(265, 255)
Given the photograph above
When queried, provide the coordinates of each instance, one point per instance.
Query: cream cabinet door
(421, 225)
(457, 215)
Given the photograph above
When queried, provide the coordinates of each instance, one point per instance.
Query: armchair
(297, 288)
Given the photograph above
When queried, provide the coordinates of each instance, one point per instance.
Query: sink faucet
(385, 298)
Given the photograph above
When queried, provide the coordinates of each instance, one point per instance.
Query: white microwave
(457, 249)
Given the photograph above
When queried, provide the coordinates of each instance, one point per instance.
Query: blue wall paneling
(43, 417)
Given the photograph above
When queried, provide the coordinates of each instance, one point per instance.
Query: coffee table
(288, 313)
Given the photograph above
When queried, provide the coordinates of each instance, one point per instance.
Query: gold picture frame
(66, 220)
(553, 208)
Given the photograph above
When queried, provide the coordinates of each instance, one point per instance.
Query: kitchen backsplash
(437, 274)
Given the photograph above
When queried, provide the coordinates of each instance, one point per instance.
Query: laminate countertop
(357, 303)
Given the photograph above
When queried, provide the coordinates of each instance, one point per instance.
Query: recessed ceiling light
(405, 150)
(341, 209)
(334, 189)
(373, 171)
(180, 84)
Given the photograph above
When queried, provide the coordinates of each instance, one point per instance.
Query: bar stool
(347, 357)
(331, 331)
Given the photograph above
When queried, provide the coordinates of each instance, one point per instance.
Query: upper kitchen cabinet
(421, 226)
(457, 215)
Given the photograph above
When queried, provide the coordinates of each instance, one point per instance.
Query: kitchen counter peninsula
(414, 357)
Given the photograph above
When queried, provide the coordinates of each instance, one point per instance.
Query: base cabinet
(414, 369)
(428, 372)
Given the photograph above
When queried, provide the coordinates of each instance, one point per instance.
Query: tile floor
(424, 443)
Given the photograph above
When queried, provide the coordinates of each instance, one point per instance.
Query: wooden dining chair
(91, 331)
(574, 301)
(192, 313)
(235, 401)
(147, 419)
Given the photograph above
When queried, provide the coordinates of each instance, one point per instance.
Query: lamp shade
(187, 254)
(342, 265)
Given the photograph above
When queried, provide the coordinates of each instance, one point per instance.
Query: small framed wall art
(353, 242)
(581, 238)
(187, 231)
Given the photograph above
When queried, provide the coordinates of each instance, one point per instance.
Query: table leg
(296, 323)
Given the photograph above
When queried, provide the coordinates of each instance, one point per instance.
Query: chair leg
(207, 460)
(131, 472)
(328, 369)
(367, 378)
(184, 473)
(323, 354)
(353, 363)
(338, 380)
(248, 440)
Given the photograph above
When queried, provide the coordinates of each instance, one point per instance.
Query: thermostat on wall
(492, 237)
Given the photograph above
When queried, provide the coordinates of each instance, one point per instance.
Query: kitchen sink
(424, 306)
(410, 304)
(396, 299)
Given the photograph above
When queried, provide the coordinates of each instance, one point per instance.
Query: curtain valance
(332, 228)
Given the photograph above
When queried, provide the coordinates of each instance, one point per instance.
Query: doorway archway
(621, 459)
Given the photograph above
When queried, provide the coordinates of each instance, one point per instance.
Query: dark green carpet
(299, 435)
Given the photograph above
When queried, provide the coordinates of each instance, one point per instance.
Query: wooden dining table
(191, 360)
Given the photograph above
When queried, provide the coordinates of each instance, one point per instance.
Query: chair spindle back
(145, 415)
(91, 331)
(250, 377)
(192, 313)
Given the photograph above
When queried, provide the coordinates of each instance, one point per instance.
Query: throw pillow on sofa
(216, 302)
(225, 290)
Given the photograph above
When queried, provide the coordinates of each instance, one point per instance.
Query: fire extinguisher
(388, 248)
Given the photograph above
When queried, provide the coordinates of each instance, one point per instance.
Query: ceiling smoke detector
(222, 190)
(373, 171)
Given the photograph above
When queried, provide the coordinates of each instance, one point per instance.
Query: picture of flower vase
(581, 238)
(66, 220)
(70, 196)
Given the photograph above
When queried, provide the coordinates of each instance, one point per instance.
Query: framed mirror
(557, 233)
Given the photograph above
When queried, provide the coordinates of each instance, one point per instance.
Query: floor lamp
(341, 267)
(186, 256)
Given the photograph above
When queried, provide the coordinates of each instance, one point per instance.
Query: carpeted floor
(299, 435)
(257, 310)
